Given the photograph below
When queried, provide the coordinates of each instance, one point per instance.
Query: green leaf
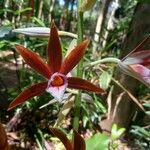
(120, 131)
(105, 79)
(140, 131)
(17, 12)
(115, 132)
(98, 142)
(3, 44)
(147, 104)
(38, 21)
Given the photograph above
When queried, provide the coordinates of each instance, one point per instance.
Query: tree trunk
(51, 7)
(110, 24)
(124, 111)
(100, 24)
(40, 9)
(31, 13)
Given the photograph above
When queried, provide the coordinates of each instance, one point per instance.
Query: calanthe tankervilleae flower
(54, 70)
(137, 63)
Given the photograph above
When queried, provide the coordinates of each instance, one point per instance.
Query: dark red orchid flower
(77, 144)
(55, 71)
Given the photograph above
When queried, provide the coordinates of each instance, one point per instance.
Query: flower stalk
(104, 60)
(79, 67)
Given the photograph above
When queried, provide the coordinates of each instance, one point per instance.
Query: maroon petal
(79, 143)
(54, 50)
(34, 61)
(62, 137)
(30, 92)
(74, 57)
(78, 83)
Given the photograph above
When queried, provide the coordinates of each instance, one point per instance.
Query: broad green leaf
(140, 131)
(5, 10)
(3, 44)
(22, 10)
(98, 142)
(121, 131)
(38, 21)
(115, 132)
(105, 79)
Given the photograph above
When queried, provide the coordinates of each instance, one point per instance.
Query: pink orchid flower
(54, 70)
(137, 63)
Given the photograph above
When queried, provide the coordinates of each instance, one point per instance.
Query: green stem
(105, 60)
(38, 142)
(79, 69)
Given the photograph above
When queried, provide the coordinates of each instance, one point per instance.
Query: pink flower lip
(57, 85)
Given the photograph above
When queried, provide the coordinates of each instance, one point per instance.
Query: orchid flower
(54, 70)
(137, 63)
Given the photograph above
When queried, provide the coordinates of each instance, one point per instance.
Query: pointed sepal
(54, 50)
(79, 143)
(30, 92)
(78, 83)
(34, 61)
(62, 137)
(74, 57)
